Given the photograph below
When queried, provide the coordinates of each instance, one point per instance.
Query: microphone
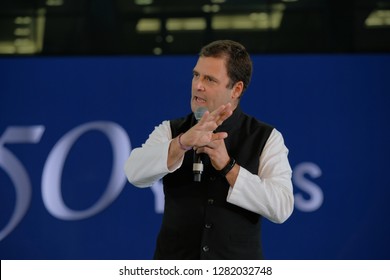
(197, 166)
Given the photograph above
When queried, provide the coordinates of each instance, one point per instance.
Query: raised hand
(202, 133)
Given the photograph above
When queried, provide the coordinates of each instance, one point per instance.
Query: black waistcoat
(198, 223)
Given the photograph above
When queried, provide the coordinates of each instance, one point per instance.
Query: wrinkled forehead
(212, 66)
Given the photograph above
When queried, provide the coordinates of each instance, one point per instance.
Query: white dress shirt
(268, 193)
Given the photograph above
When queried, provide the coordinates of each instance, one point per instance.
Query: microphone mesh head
(200, 112)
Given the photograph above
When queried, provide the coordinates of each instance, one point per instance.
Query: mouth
(199, 100)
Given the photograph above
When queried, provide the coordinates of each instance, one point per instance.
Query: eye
(210, 79)
(195, 74)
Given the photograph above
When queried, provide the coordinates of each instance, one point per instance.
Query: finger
(218, 116)
(217, 112)
(224, 116)
(204, 117)
(219, 136)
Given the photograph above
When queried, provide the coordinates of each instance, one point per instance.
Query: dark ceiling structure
(158, 27)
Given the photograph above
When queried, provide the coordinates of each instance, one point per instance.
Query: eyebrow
(207, 76)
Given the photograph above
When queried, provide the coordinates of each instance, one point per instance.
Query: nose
(199, 85)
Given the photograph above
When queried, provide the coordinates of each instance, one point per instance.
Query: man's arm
(148, 163)
(161, 154)
(270, 192)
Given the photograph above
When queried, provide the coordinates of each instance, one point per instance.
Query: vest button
(205, 248)
(210, 201)
(208, 226)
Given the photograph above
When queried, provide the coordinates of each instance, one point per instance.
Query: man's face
(210, 85)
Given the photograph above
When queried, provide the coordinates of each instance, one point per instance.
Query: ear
(237, 90)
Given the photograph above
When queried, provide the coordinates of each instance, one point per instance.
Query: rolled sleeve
(148, 164)
(270, 192)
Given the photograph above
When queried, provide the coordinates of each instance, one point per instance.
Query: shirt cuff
(177, 164)
(234, 191)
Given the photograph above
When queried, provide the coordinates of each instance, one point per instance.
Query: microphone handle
(197, 167)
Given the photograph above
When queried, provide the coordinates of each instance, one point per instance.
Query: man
(246, 174)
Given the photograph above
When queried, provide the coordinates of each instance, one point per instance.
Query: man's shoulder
(256, 123)
(181, 124)
(180, 120)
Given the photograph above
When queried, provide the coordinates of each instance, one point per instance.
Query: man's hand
(202, 134)
(203, 139)
(216, 150)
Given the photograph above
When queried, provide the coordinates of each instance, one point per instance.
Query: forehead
(211, 66)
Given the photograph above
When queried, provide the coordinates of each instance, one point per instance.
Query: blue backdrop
(68, 124)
